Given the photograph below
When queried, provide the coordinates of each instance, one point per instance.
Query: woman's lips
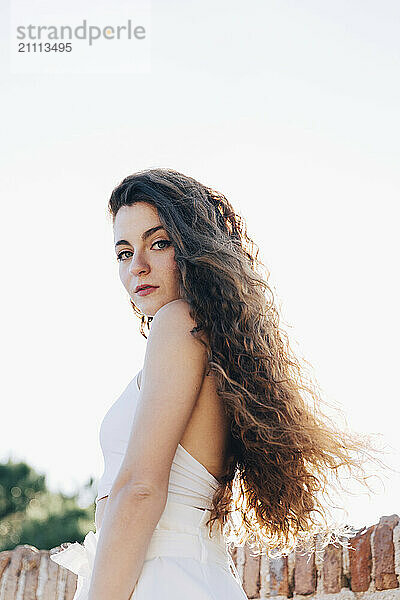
(146, 291)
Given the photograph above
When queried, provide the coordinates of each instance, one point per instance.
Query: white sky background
(292, 111)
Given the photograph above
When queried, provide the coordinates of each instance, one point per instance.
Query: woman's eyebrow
(145, 235)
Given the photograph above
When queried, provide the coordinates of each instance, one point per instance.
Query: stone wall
(369, 572)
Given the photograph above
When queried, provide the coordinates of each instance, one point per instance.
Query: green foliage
(31, 514)
(18, 485)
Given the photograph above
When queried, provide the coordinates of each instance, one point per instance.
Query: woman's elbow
(144, 493)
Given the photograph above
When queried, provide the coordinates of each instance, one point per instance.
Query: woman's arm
(129, 520)
(172, 376)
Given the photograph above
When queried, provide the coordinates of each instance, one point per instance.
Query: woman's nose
(137, 264)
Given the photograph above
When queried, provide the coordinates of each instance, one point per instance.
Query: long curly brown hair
(285, 453)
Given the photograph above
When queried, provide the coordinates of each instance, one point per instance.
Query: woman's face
(145, 257)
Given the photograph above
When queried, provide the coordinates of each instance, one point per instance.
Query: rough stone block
(5, 559)
(332, 569)
(251, 573)
(305, 573)
(14, 570)
(70, 586)
(360, 560)
(279, 576)
(30, 568)
(385, 576)
(52, 571)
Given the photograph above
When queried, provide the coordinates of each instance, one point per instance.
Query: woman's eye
(162, 242)
(120, 255)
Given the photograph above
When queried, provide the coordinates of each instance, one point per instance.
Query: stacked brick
(369, 568)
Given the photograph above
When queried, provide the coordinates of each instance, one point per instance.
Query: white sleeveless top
(189, 482)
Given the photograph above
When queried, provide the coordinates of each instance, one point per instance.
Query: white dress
(182, 561)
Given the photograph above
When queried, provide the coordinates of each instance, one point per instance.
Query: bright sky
(292, 111)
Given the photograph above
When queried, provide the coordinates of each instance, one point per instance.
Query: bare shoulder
(176, 310)
(172, 322)
(171, 344)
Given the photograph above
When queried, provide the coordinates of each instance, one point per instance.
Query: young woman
(215, 439)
